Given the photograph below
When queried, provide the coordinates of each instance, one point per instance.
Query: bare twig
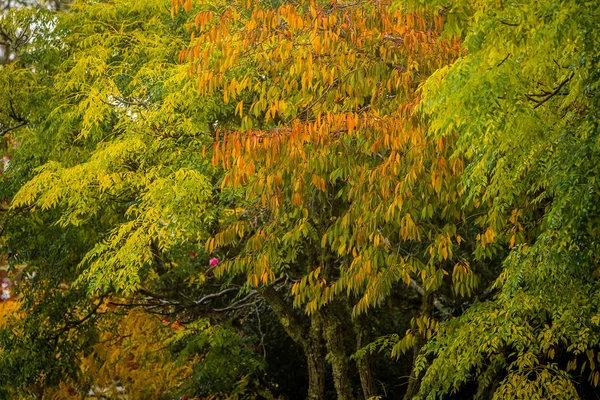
(436, 302)
(204, 299)
(553, 93)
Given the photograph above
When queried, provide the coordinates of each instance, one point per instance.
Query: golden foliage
(132, 359)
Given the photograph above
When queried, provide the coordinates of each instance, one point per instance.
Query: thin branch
(398, 39)
(238, 303)
(13, 113)
(436, 302)
(233, 308)
(444, 10)
(262, 334)
(555, 92)
(72, 324)
(508, 23)
(215, 295)
(503, 60)
(12, 128)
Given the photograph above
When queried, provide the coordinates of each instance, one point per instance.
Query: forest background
(300, 199)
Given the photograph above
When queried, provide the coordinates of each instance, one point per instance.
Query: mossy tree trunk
(363, 364)
(336, 354)
(315, 358)
(308, 337)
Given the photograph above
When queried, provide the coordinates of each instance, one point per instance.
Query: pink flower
(213, 262)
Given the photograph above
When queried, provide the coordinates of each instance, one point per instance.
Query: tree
(114, 193)
(523, 101)
(136, 135)
(331, 179)
(345, 194)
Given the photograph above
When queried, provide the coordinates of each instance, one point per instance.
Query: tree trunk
(414, 380)
(315, 359)
(336, 354)
(363, 364)
(316, 375)
(309, 339)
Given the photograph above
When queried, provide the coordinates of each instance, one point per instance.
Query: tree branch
(436, 302)
(550, 95)
(215, 295)
(12, 128)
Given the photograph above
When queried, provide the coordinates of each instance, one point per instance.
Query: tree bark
(414, 380)
(308, 338)
(315, 359)
(363, 364)
(336, 354)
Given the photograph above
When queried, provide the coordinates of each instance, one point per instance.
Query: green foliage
(441, 157)
(524, 102)
(125, 139)
(109, 169)
(226, 368)
(39, 347)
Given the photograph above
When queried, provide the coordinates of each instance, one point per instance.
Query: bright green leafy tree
(524, 102)
(114, 191)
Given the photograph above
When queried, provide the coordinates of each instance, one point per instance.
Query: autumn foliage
(328, 145)
(300, 199)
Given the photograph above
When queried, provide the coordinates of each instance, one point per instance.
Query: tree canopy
(300, 199)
